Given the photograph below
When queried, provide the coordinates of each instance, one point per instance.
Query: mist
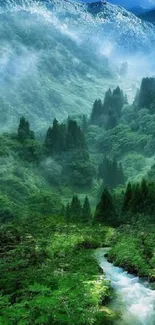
(46, 67)
(77, 164)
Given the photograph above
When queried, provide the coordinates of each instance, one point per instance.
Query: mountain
(122, 27)
(148, 16)
(46, 69)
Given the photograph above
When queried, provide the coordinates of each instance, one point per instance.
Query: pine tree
(76, 209)
(97, 112)
(55, 141)
(57, 137)
(105, 170)
(146, 97)
(105, 210)
(128, 196)
(136, 204)
(24, 132)
(75, 137)
(118, 101)
(107, 105)
(86, 211)
(111, 172)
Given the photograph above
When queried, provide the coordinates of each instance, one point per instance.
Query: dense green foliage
(51, 276)
(75, 212)
(133, 249)
(146, 98)
(59, 197)
(111, 172)
(62, 137)
(105, 210)
(127, 207)
(108, 112)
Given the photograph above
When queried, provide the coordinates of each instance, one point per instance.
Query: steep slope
(53, 56)
(122, 27)
(44, 67)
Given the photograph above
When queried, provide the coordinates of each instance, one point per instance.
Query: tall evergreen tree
(86, 211)
(146, 98)
(127, 198)
(105, 210)
(118, 101)
(97, 112)
(55, 141)
(107, 105)
(76, 209)
(24, 132)
(111, 172)
(75, 137)
(136, 204)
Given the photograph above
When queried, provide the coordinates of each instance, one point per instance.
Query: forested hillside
(87, 183)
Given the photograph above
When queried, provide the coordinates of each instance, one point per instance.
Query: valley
(77, 164)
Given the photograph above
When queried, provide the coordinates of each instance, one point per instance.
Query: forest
(87, 183)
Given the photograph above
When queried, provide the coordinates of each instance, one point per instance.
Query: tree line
(111, 171)
(77, 212)
(109, 112)
(138, 199)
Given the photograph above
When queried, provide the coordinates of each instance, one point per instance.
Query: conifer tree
(111, 172)
(127, 198)
(125, 99)
(76, 209)
(146, 98)
(107, 105)
(75, 137)
(86, 211)
(118, 101)
(105, 170)
(97, 112)
(105, 210)
(55, 141)
(136, 204)
(24, 132)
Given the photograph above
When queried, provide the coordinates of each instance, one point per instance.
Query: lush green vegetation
(88, 183)
(133, 249)
(51, 275)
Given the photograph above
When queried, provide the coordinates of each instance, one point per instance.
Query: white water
(134, 299)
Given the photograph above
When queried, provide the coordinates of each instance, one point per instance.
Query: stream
(134, 298)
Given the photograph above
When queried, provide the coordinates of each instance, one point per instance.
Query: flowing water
(134, 298)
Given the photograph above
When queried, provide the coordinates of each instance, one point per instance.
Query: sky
(131, 3)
